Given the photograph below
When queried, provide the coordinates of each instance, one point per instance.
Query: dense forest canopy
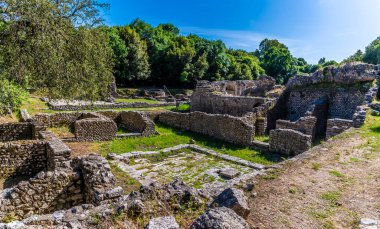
(63, 48)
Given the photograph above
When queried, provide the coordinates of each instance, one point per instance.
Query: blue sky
(312, 29)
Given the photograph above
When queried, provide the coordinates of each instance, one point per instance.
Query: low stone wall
(56, 120)
(58, 153)
(289, 142)
(237, 130)
(137, 122)
(225, 104)
(45, 193)
(337, 126)
(99, 182)
(176, 119)
(104, 105)
(305, 125)
(95, 129)
(22, 158)
(16, 131)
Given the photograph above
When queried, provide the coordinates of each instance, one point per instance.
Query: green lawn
(170, 137)
(371, 131)
(34, 105)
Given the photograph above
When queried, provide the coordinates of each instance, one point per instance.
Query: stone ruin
(100, 126)
(40, 177)
(309, 109)
(44, 186)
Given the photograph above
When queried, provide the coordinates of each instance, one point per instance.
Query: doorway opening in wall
(321, 112)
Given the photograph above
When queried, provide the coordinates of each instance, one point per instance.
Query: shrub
(11, 96)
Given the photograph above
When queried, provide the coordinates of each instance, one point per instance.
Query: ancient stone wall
(230, 97)
(261, 126)
(16, 131)
(225, 104)
(237, 130)
(22, 158)
(99, 182)
(342, 101)
(44, 193)
(305, 125)
(289, 142)
(139, 122)
(176, 119)
(83, 105)
(337, 126)
(95, 129)
(57, 119)
(58, 154)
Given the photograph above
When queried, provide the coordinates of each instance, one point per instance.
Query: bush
(11, 96)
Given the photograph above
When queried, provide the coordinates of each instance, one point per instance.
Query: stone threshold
(194, 147)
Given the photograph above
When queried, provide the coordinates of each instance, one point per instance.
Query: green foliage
(277, 60)
(182, 108)
(372, 52)
(357, 57)
(135, 65)
(49, 44)
(11, 96)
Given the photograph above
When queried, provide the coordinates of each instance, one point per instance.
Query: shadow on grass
(375, 129)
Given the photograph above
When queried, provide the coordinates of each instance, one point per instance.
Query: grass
(371, 131)
(182, 108)
(262, 138)
(124, 100)
(124, 180)
(170, 137)
(34, 105)
(336, 173)
(62, 132)
(316, 166)
(331, 196)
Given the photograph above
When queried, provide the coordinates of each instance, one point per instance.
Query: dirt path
(335, 188)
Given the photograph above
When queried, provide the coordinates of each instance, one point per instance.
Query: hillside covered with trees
(64, 49)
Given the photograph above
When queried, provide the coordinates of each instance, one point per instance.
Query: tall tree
(277, 60)
(49, 44)
(372, 52)
(136, 66)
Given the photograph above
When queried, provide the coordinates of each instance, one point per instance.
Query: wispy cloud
(250, 41)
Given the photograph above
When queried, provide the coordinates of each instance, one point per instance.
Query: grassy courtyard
(169, 137)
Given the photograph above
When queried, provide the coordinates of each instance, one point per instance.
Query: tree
(357, 57)
(136, 65)
(244, 66)
(120, 52)
(49, 44)
(372, 52)
(276, 60)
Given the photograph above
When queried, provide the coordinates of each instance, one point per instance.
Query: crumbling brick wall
(135, 121)
(337, 126)
(237, 130)
(22, 158)
(58, 154)
(305, 125)
(176, 119)
(44, 193)
(16, 131)
(95, 129)
(57, 119)
(99, 182)
(289, 142)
